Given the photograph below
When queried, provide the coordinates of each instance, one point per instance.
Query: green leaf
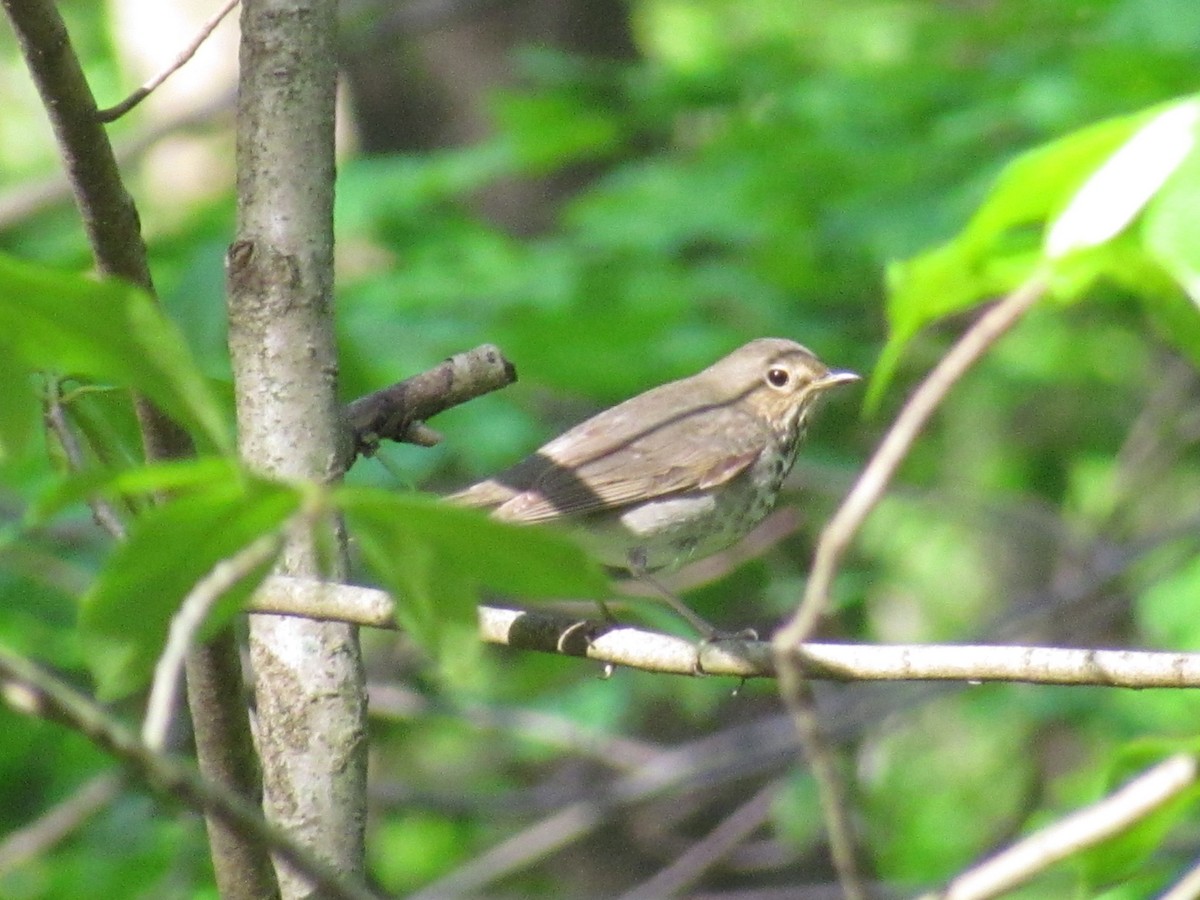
(18, 407)
(550, 130)
(107, 331)
(125, 617)
(1003, 243)
(1120, 188)
(1171, 228)
(1127, 852)
(138, 481)
(1174, 317)
(429, 596)
(946, 280)
(434, 557)
(1168, 610)
(107, 421)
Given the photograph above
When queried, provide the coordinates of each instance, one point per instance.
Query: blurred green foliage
(758, 171)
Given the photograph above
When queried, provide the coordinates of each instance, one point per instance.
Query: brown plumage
(678, 472)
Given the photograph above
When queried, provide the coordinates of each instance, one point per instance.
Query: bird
(676, 473)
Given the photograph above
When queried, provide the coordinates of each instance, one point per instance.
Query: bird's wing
(603, 464)
(494, 492)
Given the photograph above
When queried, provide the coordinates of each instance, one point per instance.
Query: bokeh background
(617, 193)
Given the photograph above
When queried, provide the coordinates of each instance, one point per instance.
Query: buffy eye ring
(777, 377)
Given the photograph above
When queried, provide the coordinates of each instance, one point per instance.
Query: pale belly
(671, 531)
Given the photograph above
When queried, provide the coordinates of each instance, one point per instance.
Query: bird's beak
(833, 379)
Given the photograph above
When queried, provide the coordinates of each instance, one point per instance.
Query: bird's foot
(716, 636)
(607, 614)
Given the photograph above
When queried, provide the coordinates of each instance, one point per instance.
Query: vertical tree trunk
(310, 692)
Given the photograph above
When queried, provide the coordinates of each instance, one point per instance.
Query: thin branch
(1154, 442)
(547, 631)
(39, 194)
(1012, 664)
(31, 689)
(44, 567)
(1117, 812)
(168, 672)
(398, 413)
(707, 852)
(108, 212)
(57, 422)
(836, 537)
(287, 596)
(873, 481)
(112, 113)
(707, 760)
(226, 755)
(832, 792)
(34, 839)
(536, 842)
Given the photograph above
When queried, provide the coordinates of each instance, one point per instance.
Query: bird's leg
(637, 568)
(606, 613)
(702, 625)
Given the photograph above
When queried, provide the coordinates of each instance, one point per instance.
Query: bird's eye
(778, 377)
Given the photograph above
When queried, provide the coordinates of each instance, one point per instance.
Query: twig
(283, 595)
(56, 420)
(705, 853)
(398, 413)
(701, 761)
(168, 672)
(113, 113)
(107, 209)
(1144, 455)
(1013, 664)
(831, 786)
(836, 537)
(23, 844)
(44, 566)
(873, 481)
(29, 688)
(1087, 827)
(554, 632)
(36, 195)
(536, 842)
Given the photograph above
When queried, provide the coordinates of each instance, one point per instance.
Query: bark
(309, 682)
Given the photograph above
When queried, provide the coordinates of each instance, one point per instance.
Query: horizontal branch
(555, 632)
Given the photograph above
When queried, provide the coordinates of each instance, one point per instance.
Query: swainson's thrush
(676, 473)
